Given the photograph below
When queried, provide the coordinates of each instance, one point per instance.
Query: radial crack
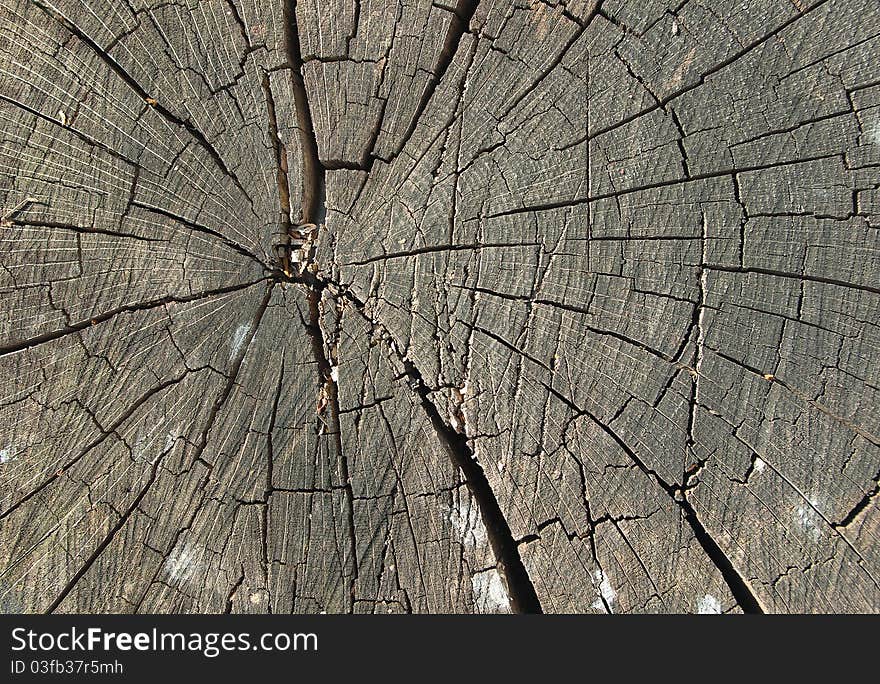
(521, 591)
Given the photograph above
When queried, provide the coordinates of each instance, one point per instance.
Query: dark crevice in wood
(582, 26)
(128, 413)
(84, 230)
(739, 54)
(91, 142)
(19, 345)
(232, 592)
(796, 276)
(430, 249)
(560, 204)
(313, 210)
(329, 390)
(232, 375)
(523, 597)
(355, 23)
(282, 180)
(199, 228)
(521, 591)
(106, 541)
(861, 506)
(458, 26)
(738, 586)
(736, 583)
(130, 81)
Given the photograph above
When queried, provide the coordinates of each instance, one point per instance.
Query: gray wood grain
(589, 322)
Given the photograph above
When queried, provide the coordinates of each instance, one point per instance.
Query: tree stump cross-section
(401, 306)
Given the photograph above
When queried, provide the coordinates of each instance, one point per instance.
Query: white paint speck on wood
(468, 524)
(809, 520)
(604, 591)
(183, 562)
(708, 605)
(238, 339)
(874, 131)
(490, 596)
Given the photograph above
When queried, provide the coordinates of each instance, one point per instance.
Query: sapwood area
(475, 306)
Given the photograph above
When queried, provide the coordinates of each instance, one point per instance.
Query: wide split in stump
(373, 306)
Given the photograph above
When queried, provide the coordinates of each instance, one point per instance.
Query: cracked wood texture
(588, 321)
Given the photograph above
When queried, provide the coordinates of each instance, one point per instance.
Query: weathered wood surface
(591, 322)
